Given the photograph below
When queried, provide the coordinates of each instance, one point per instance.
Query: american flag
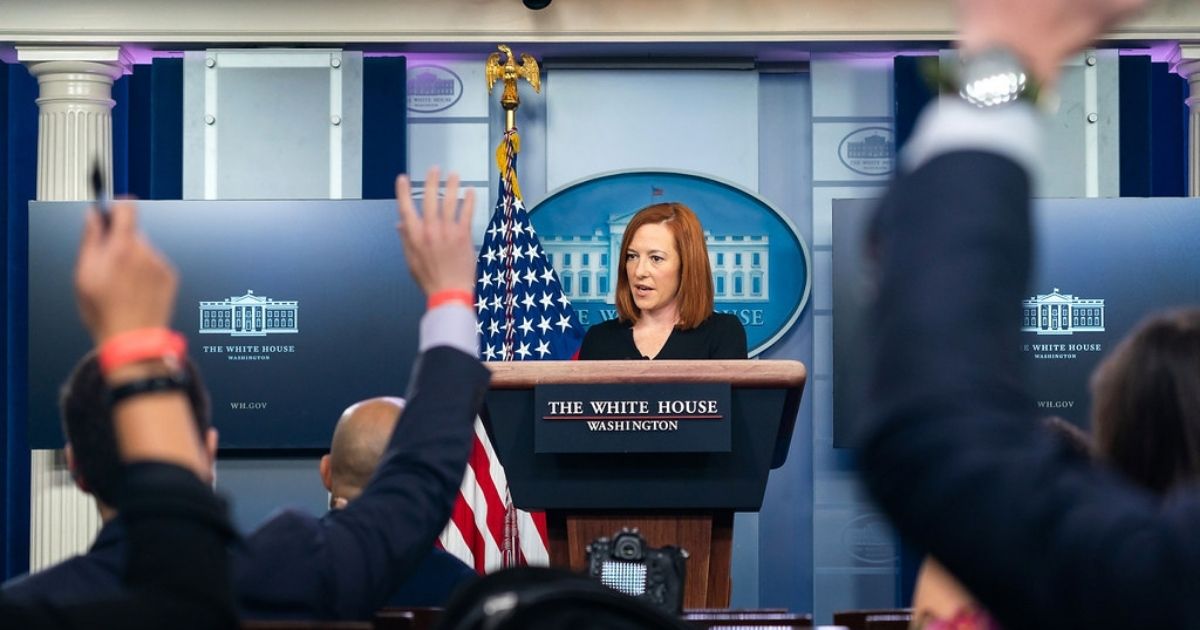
(523, 316)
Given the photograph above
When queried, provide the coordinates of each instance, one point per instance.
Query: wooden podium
(684, 499)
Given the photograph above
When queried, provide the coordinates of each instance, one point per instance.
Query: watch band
(166, 383)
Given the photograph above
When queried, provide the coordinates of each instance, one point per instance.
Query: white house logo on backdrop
(432, 89)
(249, 315)
(868, 538)
(868, 151)
(1058, 313)
(740, 264)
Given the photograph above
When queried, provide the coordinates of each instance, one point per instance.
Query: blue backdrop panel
(1112, 260)
(385, 125)
(18, 181)
(340, 324)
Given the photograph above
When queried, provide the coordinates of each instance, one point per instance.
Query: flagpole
(510, 72)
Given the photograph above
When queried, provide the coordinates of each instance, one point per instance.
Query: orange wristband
(141, 345)
(450, 295)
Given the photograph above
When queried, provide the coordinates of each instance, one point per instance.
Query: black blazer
(953, 451)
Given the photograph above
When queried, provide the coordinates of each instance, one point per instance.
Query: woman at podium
(665, 296)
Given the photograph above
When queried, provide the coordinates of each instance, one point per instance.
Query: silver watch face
(992, 78)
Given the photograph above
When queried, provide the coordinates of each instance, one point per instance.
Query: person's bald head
(359, 440)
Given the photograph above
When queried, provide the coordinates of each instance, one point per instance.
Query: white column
(1187, 64)
(74, 115)
(74, 130)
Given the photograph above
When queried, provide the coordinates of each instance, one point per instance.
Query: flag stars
(544, 325)
(494, 327)
(543, 348)
(485, 281)
(481, 304)
(563, 323)
(490, 255)
(562, 299)
(531, 252)
(547, 301)
(548, 275)
(526, 326)
(530, 276)
(528, 301)
(489, 353)
(524, 351)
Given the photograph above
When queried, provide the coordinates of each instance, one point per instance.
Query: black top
(721, 336)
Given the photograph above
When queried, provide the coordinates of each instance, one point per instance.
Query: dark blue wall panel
(1168, 132)
(385, 125)
(913, 89)
(166, 129)
(1134, 97)
(18, 166)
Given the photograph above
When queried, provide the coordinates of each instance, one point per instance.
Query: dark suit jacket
(350, 562)
(953, 452)
(177, 576)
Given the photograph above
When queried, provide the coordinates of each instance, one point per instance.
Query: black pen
(100, 195)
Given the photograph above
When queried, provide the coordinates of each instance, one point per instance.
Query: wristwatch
(992, 78)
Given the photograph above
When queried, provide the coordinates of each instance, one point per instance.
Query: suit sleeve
(373, 544)
(952, 449)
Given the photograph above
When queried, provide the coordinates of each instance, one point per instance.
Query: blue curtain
(18, 182)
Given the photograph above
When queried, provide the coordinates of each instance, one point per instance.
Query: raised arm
(953, 452)
(380, 537)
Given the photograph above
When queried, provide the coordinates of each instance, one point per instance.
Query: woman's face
(653, 268)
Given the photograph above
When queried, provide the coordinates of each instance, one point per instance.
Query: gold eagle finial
(511, 72)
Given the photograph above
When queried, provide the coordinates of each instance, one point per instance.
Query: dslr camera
(627, 564)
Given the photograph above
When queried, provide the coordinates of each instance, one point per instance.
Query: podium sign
(632, 418)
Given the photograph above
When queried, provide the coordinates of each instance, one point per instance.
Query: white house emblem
(249, 316)
(1058, 313)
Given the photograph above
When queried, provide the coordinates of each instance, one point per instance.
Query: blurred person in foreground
(177, 573)
(953, 453)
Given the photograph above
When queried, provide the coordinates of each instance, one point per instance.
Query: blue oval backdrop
(761, 264)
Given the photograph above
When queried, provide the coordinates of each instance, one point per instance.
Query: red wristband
(450, 295)
(141, 345)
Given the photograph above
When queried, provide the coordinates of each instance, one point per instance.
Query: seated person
(665, 295)
(349, 562)
(358, 443)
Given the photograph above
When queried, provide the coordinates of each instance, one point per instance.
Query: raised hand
(437, 240)
(121, 282)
